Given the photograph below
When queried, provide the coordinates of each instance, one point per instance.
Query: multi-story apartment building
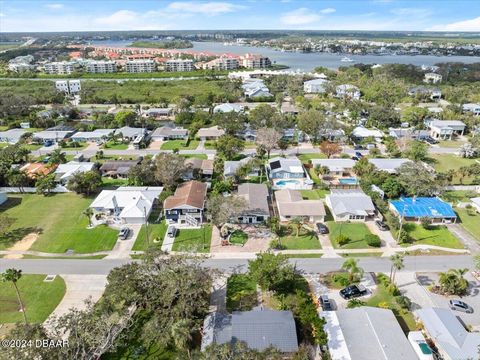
(68, 87)
(139, 66)
(179, 65)
(252, 61)
(64, 67)
(222, 63)
(101, 67)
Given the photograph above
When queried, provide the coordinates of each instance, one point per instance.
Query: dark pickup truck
(353, 291)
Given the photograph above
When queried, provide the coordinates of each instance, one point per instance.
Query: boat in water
(346, 59)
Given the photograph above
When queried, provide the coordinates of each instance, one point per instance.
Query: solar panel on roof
(275, 165)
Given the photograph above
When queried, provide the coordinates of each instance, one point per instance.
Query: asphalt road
(315, 265)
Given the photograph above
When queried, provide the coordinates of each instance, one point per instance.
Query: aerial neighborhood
(243, 210)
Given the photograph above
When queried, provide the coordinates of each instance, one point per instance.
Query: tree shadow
(11, 237)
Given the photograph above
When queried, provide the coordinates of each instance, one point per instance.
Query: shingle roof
(291, 203)
(256, 196)
(353, 202)
(202, 164)
(388, 165)
(168, 131)
(191, 193)
(334, 164)
(210, 132)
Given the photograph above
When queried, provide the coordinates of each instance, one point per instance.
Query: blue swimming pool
(348, 181)
(287, 182)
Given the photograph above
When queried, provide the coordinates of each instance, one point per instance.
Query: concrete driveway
(122, 248)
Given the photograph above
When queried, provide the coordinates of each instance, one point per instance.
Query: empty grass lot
(196, 240)
(155, 232)
(59, 221)
(434, 235)
(40, 298)
(305, 240)
(355, 231)
(445, 162)
(470, 220)
(180, 144)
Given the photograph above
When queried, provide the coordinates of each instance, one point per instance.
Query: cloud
(54, 6)
(208, 8)
(304, 16)
(130, 20)
(464, 25)
(411, 12)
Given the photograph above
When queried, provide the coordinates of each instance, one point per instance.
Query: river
(309, 61)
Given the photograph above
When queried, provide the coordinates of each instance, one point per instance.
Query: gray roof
(388, 165)
(335, 164)
(291, 165)
(12, 135)
(258, 329)
(367, 333)
(448, 333)
(353, 202)
(130, 132)
(169, 131)
(230, 167)
(256, 196)
(291, 203)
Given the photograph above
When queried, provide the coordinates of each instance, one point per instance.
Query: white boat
(346, 59)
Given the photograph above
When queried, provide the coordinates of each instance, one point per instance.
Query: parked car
(48, 143)
(123, 234)
(371, 146)
(359, 147)
(322, 228)
(354, 158)
(430, 140)
(358, 154)
(353, 291)
(381, 225)
(460, 306)
(325, 303)
(172, 231)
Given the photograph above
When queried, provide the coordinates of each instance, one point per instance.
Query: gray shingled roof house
(256, 197)
(350, 205)
(258, 329)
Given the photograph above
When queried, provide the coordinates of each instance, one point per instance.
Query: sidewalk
(465, 237)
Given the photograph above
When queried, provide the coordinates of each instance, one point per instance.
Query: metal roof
(431, 207)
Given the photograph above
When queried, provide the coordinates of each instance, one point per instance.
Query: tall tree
(268, 138)
(85, 183)
(265, 116)
(397, 264)
(229, 146)
(355, 272)
(330, 148)
(17, 178)
(221, 209)
(13, 276)
(311, 122)
(417, 180)
(417, 151)
(57, 157)
(45, 184)
(169, 169)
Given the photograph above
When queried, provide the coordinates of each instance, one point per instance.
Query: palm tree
(453, 282)
(180, 332)
(297, 223)
(14, 275)
(397, 264)
(88, 212)
(351, 265)
(57, 157)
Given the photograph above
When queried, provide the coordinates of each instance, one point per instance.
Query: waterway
(309, 61)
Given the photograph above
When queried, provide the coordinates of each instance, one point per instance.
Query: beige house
(211, 133)
(290, 205)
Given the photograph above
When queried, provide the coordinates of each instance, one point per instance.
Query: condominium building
(101, 67)
(21, 63)
(179, 65)
(139, 66)
(252, 61)
(64, 67)
(222, 63)
(68, 87)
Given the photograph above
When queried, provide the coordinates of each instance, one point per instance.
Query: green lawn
(458, 196)
(241, 293)
(155, 232)
(3, 145)
(196, 156)
(180, 144)
(111, 182)
(32, 147)
(314, 176)
(355, 231)
(305, 157)
(435, 235)
(197, 240)
(39, 298)
(451, 143)
(59, 221)
(238, 237)
(470, 220)
(115, 145)
(445, 162)
(305, 240)
(210, 145)
(315, 194)
(78, 146)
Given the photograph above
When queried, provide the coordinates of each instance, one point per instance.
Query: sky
(85, 15)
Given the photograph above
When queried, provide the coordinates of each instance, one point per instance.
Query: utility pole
(146, 225)
(401, 223)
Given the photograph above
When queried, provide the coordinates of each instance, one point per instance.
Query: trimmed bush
(373, 240)
(342, 239)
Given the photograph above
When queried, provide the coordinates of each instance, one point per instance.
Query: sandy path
(22, 245)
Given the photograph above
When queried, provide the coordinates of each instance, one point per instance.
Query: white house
(256, 197)
(290, 204)
(127, 204)
(389, 165)
(52, 135)
(315, 86)
(65, 171)
(476, 203)
(227, 107)
(350, 205)
(361, 133)
(12, 136)
(95, 135)
(168, 133)
(211, 133)
(335, 166)
(432, 78)
(445, 129)
(348, 91)
(473, 108)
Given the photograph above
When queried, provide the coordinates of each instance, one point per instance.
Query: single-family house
(337, 167)
(118, 168)
(432, 78)
(230, 167)
(227, 107)
(211, 133)
(127, 204)
(473, 108)
(65, 171)
(350, 205)
(288, 108)
(476, 203)
(130, 133)
(12, 136)
(423, 92)
(408, 132)
(449, 335)
(52, 136)
(256, 197)
(255, 88)
(257, 329)
(169, 133)
(445, 129)
(349, 330)
(416, 208)
(389, 165)
(348, 91)
(290, 204)
(187, 204)
(315, 86)
(201, 168)
(361, 133)
(285, 168)
(248, 134)
(158, 113)
(95, 135)
(35, 169)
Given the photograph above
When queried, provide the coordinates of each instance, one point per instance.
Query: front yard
(40, 298)
(306, 239)
(180, 145)
(115, 145)
(156, 234)
(196, 240)
(470, 220)
(241, 293)
(305, 157)
(59, 222)
(356, 232)
(434, 235)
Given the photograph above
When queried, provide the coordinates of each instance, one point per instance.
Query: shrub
(355, 303)
(277, 245)
(403, 301)
(425, 221)
(384, 305)
(341, 279)
(393, 289)
(342, 239)
(373, 240)
(404, 237)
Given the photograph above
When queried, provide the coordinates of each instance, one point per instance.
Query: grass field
(115, 145)
(59, 221)
(197, 240)
(451, 143)
(241, 293)
(435, 235)
(155, 232)
(305, 157)
(196, 156)
(111, 182)
(39, 298)
(355, 231)
(470, 220)
(180, 144)
(306, 240)
(445, 162)
(315, 194)
(458, 196)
